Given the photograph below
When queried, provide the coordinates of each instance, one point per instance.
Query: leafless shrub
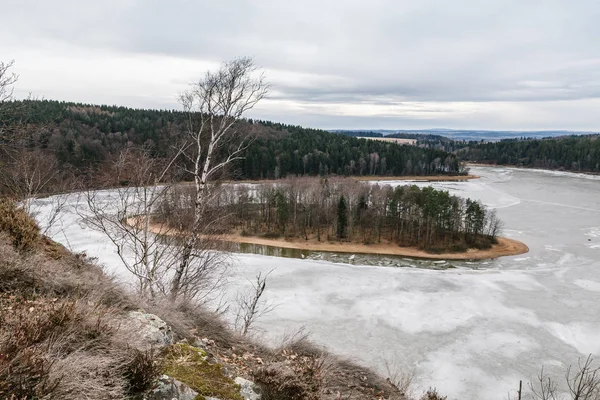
(432, 394)
(251, 305)
(7, 80)
(544, 388)
(402, 380)
(278, 382)
(582, 383)
(142, 370)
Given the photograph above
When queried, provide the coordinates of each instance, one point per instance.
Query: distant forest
(424, 140)
(85, 137)
(571, 153)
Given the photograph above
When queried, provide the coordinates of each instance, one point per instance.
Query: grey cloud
(385, 51)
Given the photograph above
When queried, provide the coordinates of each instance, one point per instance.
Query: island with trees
(345, 215)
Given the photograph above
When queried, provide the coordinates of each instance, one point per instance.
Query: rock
(249, 390)
(152, 330)
(168, 388)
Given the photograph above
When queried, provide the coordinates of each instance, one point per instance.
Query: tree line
(340, 209)
(571, 153)
(85, 138)
(315, 152)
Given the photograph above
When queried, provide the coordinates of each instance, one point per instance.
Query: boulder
(151, 330)
(249, 389)
(168, 388)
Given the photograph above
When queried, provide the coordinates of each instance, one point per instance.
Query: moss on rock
(188, 364)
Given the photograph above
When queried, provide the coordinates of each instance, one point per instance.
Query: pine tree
(342, 222)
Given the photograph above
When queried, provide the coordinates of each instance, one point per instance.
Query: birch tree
(124, 216)
(214, 105)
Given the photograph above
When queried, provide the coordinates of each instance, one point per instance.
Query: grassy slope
(63, 334)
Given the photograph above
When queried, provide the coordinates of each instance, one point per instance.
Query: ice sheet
(471, 333)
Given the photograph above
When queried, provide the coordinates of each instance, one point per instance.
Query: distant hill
(465, 135)
(85, 137)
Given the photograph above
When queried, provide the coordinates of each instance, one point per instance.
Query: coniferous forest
(570, 153)
(86, 137)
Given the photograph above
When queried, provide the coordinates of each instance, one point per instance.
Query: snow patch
(592, 286)
(583, 337)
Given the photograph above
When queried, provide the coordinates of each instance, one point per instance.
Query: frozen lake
(473, 331)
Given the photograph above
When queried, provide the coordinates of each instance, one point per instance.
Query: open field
(391, 140)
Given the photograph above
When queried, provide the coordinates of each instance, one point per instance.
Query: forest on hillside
(423, 140)
(342, 209)
(82, 139)
(571, 153)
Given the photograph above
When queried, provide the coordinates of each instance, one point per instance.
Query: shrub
(301, 377)
(459, 248)
(24, 325)
(20, 227)
(141, 371)
(432, 394)
(272, 235)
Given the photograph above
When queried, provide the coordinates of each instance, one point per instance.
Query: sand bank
(505, 246)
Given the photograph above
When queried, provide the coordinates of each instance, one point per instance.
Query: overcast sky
(396, 64)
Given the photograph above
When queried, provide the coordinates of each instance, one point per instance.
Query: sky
(332, 64)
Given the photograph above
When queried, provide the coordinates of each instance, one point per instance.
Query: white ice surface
(473, 332)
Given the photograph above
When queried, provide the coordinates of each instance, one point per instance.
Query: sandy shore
(505, 246)
(422, 178)
(432, 178)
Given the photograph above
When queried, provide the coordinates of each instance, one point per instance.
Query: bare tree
(544, 388)
(28, 173)
(582, 383)
(124, 216)
(7, 80)
(250, 304)
(214, 105)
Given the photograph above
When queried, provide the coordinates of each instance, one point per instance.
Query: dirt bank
(505, 247)
(432, 178)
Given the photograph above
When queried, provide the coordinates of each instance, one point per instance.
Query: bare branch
(250, 306)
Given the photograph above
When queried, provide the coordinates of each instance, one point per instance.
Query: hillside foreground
(70, 331)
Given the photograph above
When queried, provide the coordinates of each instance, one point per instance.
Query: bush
(53, 348)
(301, 377)
(278, 382)
(432, 394)
(272, 235)
(20, 227)
(459, 248)
(141, 372)
(24, 367)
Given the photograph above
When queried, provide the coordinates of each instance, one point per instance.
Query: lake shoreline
(366, 178)
(505, 246)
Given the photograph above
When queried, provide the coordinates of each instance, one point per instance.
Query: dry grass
(63, 335)
(16, 223)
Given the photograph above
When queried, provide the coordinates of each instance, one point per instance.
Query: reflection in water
(348, 258)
